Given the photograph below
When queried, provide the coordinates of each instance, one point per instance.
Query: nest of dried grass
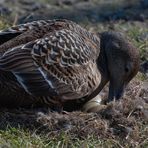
(125, 120)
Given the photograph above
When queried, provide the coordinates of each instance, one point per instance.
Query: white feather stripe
(45, 77)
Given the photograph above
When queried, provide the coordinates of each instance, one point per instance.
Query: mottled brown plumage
(59, 63)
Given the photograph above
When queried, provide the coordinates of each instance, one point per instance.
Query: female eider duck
(62, 65)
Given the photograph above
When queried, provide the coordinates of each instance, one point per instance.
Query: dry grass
(124, 123)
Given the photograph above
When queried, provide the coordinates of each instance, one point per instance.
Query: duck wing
(19, 62)
(23, 33)
(14, 31)
(62, 63)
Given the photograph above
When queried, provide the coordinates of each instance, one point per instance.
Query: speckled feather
(53, 60)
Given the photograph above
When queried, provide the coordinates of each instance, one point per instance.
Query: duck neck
(102, 68)
(102, 61)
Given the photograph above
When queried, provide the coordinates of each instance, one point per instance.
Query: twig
(15, 20)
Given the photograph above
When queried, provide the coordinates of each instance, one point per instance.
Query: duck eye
(126, 69)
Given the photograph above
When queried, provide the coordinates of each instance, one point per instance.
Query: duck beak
(115, 91)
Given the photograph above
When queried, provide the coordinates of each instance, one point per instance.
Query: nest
(122, 119)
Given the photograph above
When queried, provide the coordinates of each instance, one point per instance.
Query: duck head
(118, 63)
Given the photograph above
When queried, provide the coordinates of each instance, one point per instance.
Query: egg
(94, 105)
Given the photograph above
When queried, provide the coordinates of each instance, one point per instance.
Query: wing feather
(65, 48)
(19, 61)
(59, 63)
